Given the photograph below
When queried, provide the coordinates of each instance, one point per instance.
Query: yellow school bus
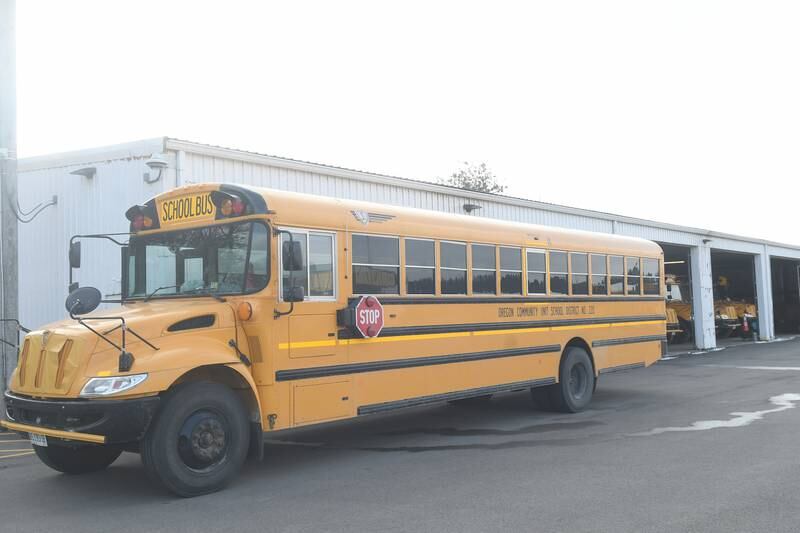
(246, 311)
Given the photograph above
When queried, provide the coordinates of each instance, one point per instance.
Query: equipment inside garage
(786, 294)
(677, 274)
(734, 281)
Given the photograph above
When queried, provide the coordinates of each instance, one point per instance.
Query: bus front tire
(199, 440)
(75, 461)
(575, 386)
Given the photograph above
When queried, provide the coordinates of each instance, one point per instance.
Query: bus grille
(49, 365)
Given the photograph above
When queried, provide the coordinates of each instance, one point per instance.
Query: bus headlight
(111, 385)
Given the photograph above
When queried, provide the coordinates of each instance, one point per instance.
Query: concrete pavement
(641, 459)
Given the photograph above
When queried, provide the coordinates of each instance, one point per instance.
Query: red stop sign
(369, 316)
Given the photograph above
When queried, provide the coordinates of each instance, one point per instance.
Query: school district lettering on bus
(248, 311)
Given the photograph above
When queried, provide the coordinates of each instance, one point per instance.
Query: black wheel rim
(203, 440)
(578, 381)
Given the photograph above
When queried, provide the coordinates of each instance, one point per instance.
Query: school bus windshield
(222, 259)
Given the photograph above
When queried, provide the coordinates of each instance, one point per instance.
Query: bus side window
(420, 266)
(599, 274)
(510, 270)
(634, 283)
(376, 264)
(454, 267)
(558, 272)
(580, 273)
(484, 272)
(617, 274)
(651, 278)
(320, 265)
(537, 272)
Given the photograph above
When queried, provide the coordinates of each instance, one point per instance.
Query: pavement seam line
(15, 455)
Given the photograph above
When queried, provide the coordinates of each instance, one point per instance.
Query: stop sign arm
(363, 317)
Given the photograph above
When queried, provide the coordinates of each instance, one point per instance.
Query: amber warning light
(228, 205)
(140, 218)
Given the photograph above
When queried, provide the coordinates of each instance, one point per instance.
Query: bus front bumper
(81, 421)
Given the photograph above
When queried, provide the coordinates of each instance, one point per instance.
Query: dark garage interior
(786, 294)
(677, 271)
(734, 276)
(734, 281)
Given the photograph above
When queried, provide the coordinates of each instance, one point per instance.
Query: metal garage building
(94, 188)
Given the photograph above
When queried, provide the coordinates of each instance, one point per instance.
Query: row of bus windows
(376, 269)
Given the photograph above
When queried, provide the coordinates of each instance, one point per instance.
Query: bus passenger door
(312, 335)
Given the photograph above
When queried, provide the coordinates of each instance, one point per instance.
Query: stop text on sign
(369, 316)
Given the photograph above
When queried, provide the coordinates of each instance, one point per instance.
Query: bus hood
(56, 359)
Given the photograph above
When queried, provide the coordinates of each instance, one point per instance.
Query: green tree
(474, 178)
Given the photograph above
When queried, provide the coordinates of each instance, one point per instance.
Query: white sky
(681, 111)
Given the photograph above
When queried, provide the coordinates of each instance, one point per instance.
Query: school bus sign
(186, 208)
(369, 316)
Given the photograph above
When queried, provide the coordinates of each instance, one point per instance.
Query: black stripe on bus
(487, 326)
(628, 340)
(449, 396)
(393, 364)
(455, 300)
(621, 368)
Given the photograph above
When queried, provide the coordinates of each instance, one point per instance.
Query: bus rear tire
(576, 382)
(75, 461)
(199, 440)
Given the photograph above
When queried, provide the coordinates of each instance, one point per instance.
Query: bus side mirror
(83, 300)
(75, 254)
(294, 294)
(292, 254)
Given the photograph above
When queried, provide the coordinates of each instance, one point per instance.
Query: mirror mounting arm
(75, 240)
(125, 357)
(277, 314)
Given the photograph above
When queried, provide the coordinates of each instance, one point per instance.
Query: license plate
(38, 440)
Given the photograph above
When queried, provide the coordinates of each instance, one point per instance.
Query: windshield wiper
(204, 291)
(146, 298)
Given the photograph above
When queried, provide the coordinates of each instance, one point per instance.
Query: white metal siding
(85, 205)
(98, 205)
(202, 168)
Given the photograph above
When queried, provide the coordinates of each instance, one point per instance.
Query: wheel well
(226, 376)
(580, 343)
